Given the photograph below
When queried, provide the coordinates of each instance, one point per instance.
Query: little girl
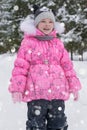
(43, 74)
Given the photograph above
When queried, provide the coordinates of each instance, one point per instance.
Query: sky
(13, 116)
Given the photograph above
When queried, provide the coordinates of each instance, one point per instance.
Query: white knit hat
(43, 13)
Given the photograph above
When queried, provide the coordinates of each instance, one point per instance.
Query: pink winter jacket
(43, 70)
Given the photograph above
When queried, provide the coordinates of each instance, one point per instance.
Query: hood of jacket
(27, 26)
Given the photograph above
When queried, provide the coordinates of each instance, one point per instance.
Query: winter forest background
(72, 14)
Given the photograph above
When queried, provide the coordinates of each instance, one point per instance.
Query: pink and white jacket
(43, 69)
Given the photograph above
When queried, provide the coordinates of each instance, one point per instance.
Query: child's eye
(43, 21)
(50, 21)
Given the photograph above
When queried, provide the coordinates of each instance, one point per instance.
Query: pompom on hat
(42, 13)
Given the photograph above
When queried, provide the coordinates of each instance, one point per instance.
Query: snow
(16, 8)
(13, 116)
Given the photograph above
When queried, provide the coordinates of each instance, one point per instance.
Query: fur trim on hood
(27, 26)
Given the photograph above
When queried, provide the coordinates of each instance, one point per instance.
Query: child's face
(46, 26)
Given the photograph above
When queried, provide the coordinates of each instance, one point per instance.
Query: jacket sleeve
(20, 71)
(67, 65)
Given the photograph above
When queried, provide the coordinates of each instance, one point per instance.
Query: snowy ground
(13, 116)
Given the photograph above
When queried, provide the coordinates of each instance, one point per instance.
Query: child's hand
(76, 96)
(17, 97)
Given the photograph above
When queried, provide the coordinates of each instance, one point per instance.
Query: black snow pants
(46, 115)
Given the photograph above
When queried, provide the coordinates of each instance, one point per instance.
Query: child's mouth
(45, 29)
